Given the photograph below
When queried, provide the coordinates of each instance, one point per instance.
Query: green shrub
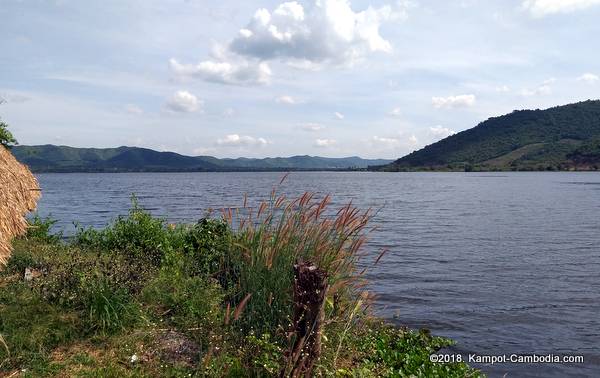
(32, 328)
(20, 260)
(40, 230)
(6, 138)
(107, 309)
(137, 236)
(264, 355)
(188, 301)
(206, 246)
(100, 286)
(394, 352)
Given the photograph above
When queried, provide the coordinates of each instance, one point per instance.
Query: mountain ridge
(53, 158)
(563, 137)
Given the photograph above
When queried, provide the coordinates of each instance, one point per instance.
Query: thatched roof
(19, 192)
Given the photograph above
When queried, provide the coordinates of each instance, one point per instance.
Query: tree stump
(310, 290)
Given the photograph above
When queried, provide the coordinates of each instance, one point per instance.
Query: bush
(6, 138)
(40, 230)
(394, 352)
(31, 327)
(137, 236)
(107, 308)
(99, 286)
(189, 302)
(206, 245)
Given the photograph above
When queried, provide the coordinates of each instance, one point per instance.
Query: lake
(500, 262)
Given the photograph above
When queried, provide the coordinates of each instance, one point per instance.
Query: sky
(262, 78)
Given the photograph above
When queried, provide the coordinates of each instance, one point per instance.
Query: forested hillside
(50, 158)
(563, 137)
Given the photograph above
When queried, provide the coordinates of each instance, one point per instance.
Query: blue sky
(270, 78)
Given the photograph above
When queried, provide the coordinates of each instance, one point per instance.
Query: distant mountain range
(51, 158)
(560, 138)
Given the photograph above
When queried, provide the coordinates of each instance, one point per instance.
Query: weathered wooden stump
(310, 290)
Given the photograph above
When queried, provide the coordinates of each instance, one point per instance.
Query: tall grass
(282, 232)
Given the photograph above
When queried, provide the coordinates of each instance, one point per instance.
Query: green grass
(209, 299)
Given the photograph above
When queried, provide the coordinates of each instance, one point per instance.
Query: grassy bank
(145, 298)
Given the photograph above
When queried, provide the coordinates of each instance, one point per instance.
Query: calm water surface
(501, 263)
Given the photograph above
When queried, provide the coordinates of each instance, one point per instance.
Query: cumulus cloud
(325, 143)
(234, 71)
(289, 100)
(329, 31)
(133, 109)
(313, 127)
(589, 78)
(338, 115)
(386, 142)
(440, 132)
(183, 102)
(396, 112)
(450, 102)
(541, 90)
(541, 8)
(393, 142)
(235, 140)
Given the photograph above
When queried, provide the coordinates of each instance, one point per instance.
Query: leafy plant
(6, 138)
(395, 352)
(189, 301)
(40, 230)
(206, 245)
(107, 308)
(137, 236)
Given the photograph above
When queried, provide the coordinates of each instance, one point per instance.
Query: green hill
(50, 158)
(560, 138)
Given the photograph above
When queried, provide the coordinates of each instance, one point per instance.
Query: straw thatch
(19, 192)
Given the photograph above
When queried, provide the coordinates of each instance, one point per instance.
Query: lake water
(500, 262)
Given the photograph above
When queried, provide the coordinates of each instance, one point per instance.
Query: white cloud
(313, 127)
(543, 89)
(183, 102)
(338, 115)
(234, 71)
(229, 112)
(325, 142)
(393, 143)
(589, 78)
(385, 142)
(133, 109)
(235, 140)
(541, 8)
(439, 132)
(450, 102)
(329, 31)
(286, 100)
(396, 112)
(503, 89)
